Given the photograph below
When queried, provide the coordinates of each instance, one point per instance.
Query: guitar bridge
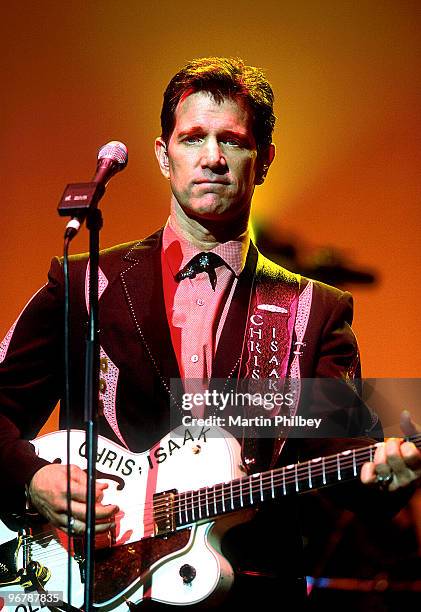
(163, 512)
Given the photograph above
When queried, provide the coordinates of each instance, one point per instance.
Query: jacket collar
(144, 248)
(142, 284)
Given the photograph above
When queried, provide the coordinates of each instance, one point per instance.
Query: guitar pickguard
(115, 568)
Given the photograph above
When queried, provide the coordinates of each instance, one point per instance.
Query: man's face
(211, 159)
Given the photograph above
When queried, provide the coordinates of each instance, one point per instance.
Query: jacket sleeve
(30, 381)
(332, 388)
(337, 357)
(338, 354)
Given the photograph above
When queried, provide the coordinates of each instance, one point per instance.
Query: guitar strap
(266, 353)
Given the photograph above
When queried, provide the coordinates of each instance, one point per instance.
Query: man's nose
(212, 155)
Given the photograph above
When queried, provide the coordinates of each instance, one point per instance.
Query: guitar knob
(188, 573)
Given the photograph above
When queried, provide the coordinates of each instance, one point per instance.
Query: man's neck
(205, 234)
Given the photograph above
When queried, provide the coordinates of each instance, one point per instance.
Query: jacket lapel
(142, 285)
(141, 278)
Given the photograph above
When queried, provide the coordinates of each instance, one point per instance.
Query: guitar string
(340, 461)
(302, 467)
(299, 468)
(189, 501)
(252, 487)
(222, 494)
(254, 484)
(238, 489)
(56, 550)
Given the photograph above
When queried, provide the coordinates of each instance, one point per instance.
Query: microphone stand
(94, 225)
(82, 199)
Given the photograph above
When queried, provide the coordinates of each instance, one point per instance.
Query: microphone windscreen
(114, 150)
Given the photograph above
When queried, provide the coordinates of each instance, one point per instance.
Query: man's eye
(192, 139)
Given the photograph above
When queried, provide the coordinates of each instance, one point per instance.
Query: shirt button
(200, 302)
(194, 358)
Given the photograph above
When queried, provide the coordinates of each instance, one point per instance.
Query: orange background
(346, 76)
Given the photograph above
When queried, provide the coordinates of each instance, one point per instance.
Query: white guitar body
(176, 501)
(186, 460)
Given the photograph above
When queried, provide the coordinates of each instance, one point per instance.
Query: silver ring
(384, 481)
(71, 522)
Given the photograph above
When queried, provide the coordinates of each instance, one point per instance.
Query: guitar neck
(211, 502)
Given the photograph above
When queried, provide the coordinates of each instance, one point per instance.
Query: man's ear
(264, 160)
(162, 157)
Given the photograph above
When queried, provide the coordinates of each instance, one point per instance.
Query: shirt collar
(176, 247)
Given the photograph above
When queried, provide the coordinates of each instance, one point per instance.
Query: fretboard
(209, 502)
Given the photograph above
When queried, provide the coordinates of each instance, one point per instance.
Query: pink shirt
(195, 312)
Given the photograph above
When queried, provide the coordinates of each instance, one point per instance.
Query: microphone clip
(79, 198)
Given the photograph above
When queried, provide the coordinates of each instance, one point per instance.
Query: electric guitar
(176, 501)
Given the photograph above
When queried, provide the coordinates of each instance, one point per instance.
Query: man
(163, 317)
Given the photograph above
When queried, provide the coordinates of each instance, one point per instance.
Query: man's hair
(222, 78)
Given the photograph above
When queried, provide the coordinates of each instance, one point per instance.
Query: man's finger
(78, 492)
(411, 455)
(394, 457)
(78, 487)
(106, 512)
(77, 474)
(78, 511)
(99, 490)
(104, 521)
(368, 473)
(380, 456)
(78, 527)
(408, 426)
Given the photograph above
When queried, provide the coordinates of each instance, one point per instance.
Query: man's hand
(396, 463)
(47, 492)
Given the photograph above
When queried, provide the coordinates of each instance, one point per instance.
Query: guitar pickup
(163, 512)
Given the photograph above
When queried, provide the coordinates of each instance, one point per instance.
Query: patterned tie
(202, 262)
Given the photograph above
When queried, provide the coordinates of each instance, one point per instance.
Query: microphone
(78, 198)
(112, 158)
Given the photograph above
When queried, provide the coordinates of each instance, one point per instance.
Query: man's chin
(209, 213)
(211, 209)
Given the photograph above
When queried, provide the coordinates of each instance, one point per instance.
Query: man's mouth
(211, 182)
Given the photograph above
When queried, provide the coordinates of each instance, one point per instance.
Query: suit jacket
(138, 363)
